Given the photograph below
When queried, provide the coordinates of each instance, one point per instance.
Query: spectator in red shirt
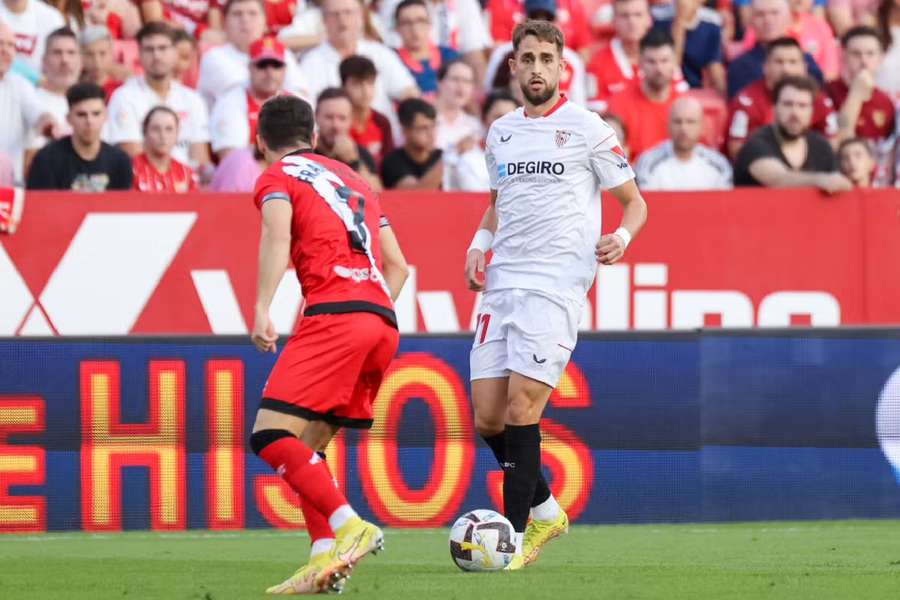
(571, 18)
(644, 106)
(200, 18)
(96, 12)
(98, 59)
(369, 128)
(857, 161)
(865, 110)
(155, 170)
(613, 67)
(334, 112)
(753, 107)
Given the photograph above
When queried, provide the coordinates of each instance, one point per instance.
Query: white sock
(547, 510)
(339, 517)
(321, 546)
(519, 540)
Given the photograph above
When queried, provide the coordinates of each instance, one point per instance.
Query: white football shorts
(525, 332)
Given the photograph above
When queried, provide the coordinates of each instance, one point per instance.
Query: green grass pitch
(816, 560)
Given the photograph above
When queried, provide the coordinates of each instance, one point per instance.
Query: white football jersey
(548, 173)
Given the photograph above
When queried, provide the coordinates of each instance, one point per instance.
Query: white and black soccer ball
(482, 540)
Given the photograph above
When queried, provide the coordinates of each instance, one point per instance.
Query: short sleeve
(122, 176)
(270, 186)
(124, 123)
(229, 126)
(394, 75)
(491, 163)
(608, 161)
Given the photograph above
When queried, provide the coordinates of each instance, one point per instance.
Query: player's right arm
(481, 243)
(393, 267)
(274, 258)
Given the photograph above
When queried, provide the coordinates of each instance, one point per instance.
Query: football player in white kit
(547, 162)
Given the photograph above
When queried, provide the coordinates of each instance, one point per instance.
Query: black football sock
(497, 444)
(520, 472)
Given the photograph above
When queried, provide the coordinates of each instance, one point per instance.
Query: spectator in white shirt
(62, 68)
(131, 102)
(32, 21)
(464, 166)
(456, 84)
(681, 162)
(343, 38)
(225, 67)
(19, 106)
(235, 114)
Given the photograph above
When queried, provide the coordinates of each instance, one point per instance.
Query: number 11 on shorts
(482, 321)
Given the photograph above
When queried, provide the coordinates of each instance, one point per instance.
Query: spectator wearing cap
(61, 68)
(19, 105)
(754, 106)
(157, 86)
(455, 24)
(644, 106)
(334, 116)
(787, 153)
(865, 110)
(235, 114)
(614, 67)
(418, 52)
(771, 19)
(572, 81)
(465, 169)
(682, 162)
(369, 128)
(31, 21)
(98, 59)
(857, 161)
(344, 38)
(154, 169)
(224, 67)
(456, 86)
(82, 162)
(418, 164)
(697, 33)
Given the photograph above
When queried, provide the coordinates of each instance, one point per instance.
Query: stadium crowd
(163, 95)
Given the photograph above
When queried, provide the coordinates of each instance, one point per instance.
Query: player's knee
(260, 439)
(520, 410)
(488, 427)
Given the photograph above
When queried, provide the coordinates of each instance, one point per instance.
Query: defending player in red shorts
(320, 216)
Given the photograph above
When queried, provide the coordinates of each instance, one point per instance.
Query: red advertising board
(116, 264)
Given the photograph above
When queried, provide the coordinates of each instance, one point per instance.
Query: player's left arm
(274, 257)
(611, 247)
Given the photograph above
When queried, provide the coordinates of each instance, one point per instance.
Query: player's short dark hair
(61, 33)
(544, 31)
(357, 67)
(286, 121)
(409, 108)
(447, 65)
(862, 31)
(782, 42)
(332, 93)
(798, 82)
(155, 28)
(406, 4)
(656, 38)
(181, 35)
(158, 109)
(495, 96)
(856, 140)
(227, 8)
(84, 91)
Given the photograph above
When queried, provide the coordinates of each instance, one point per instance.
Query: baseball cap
(267, 48)
(542, 5)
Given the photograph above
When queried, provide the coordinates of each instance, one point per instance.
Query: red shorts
(331, 368)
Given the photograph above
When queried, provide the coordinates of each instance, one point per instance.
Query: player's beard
(540, 98)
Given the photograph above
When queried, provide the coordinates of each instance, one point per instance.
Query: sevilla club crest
(562, 137)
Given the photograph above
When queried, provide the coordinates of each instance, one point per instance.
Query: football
(482, 540)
